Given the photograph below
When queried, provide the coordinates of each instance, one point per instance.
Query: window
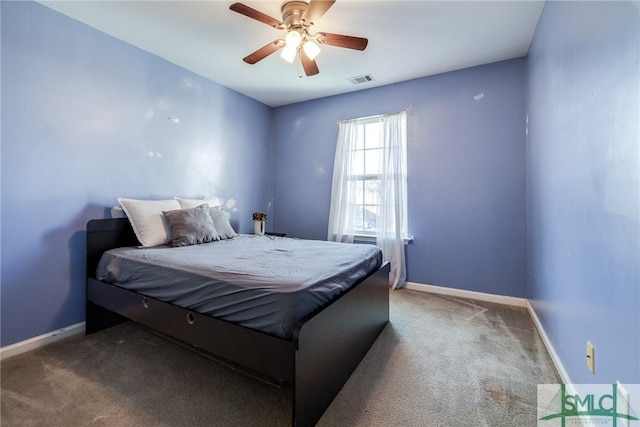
(365, 171)
(366, 147)
(369, 187)
(367, 161)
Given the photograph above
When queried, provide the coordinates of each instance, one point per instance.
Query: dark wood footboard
(331, 344)
(325, 349)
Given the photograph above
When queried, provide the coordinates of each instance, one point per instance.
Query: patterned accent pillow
(191, 226)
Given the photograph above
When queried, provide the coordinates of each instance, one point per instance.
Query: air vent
(365, 78)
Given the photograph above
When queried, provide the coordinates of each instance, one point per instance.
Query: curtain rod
(375, 116)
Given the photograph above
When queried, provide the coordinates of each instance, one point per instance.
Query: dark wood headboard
(105, 234)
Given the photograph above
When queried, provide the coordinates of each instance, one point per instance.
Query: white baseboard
(500, 299)
(564, 376)
(462, 293)
(40, 340)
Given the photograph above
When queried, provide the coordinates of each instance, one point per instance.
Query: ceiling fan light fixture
(311, 49)
(293, 39)
(297, 18)
(289, 53)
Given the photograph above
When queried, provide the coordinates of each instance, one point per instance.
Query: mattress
(265, 283)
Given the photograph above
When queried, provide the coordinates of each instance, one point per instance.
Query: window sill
(372, 238)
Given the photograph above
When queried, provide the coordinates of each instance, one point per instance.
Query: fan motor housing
(292, 12)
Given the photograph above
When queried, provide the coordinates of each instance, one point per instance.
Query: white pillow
(147, 219)
(117, 212)
(219, 216)
(221, 223)
(194, 203)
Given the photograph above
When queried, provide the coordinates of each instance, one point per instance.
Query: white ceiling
(407, 40)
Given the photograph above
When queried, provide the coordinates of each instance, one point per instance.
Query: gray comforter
(261, 282)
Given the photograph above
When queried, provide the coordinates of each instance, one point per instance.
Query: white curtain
(392, 220)
(343, 190)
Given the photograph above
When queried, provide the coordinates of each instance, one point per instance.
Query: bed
(316, 354)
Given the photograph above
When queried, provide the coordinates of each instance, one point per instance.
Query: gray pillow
(191, 226)
(221, 223)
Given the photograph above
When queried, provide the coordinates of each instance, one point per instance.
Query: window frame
(361, 234)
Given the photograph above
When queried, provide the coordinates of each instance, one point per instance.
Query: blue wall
(466, 172)
(87, 118)
(583, 190)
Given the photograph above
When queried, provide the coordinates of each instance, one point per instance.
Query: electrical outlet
(591, 359)
(623, 405)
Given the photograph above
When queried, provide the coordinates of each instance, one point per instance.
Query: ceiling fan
(297, 19)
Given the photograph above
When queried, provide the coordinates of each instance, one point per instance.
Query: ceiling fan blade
(315, 10)
(309, 65)
(340, 40)
(263, 52)
(257, 15)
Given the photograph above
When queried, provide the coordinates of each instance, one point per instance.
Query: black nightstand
(273, 233)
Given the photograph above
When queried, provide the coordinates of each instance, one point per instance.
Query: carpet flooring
(442, 361)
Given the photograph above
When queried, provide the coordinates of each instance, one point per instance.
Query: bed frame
(325, 349)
